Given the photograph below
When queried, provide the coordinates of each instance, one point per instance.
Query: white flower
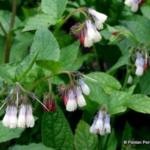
(84, 87)
(30, 121)
(92, 35)
(139, 71)
(139, 63)
(22, 116)
(99, 18)
(5, 120)
(99, 123)
(107, 127)
(80, 98)
(134, 4)
(71, 101)
(12, 117)
(92, 128)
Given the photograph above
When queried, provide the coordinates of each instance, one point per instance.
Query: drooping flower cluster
(23, 119)
(87, 32)
(73, 95)
(141, 63)
(133, 4)
(18, 112)
(101, 123)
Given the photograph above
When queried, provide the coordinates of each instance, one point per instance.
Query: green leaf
(5, 17)
(55, 8)
(68, 55)
(107, 82)
(139, 103)
(32, 146)
(145, 83)
(20, 46)
(139, 26)
(118, 102)
(53, 66)
(146, 11)
(26, 65)
(112, 142)
(7, 72)
(45, 43)
(39, 21)
(84, 140)
(7, 134)
(56, 132)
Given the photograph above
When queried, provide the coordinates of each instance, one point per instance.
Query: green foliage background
(38, 47)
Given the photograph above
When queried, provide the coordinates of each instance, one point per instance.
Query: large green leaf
(55, 8)
(56, 132)
(146, 11)
(26, 65)
(118, 102)
(139, 103)
(84, 140)
(20, 47)
(7, 72)
(39, 21)
(68, 55)
(139, 26)
(107, 82)
(32, 146)
(45, 43)
(7, 134)
(5, 17)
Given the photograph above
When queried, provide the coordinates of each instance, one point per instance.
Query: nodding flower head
(101, 123)
(10, 117)
(133, 4)
(49, 103)
(91, 35)
(86, 33)
(99, 18)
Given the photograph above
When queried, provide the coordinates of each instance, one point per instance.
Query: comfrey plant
(19, 111)
(88, 31)
(73, 94)
(133, 4)
(101, 123)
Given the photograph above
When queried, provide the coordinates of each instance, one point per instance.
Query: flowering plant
(74, 75)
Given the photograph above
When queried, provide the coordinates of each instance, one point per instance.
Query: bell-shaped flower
(92, 35)
(80, 98)
(30, 121)
(99, 18)
(133, 4)
(107, 127)
(71, 104)
(84, 87)
(12, 116)
(21, 123)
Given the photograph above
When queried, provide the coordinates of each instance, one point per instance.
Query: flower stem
(8, 42)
